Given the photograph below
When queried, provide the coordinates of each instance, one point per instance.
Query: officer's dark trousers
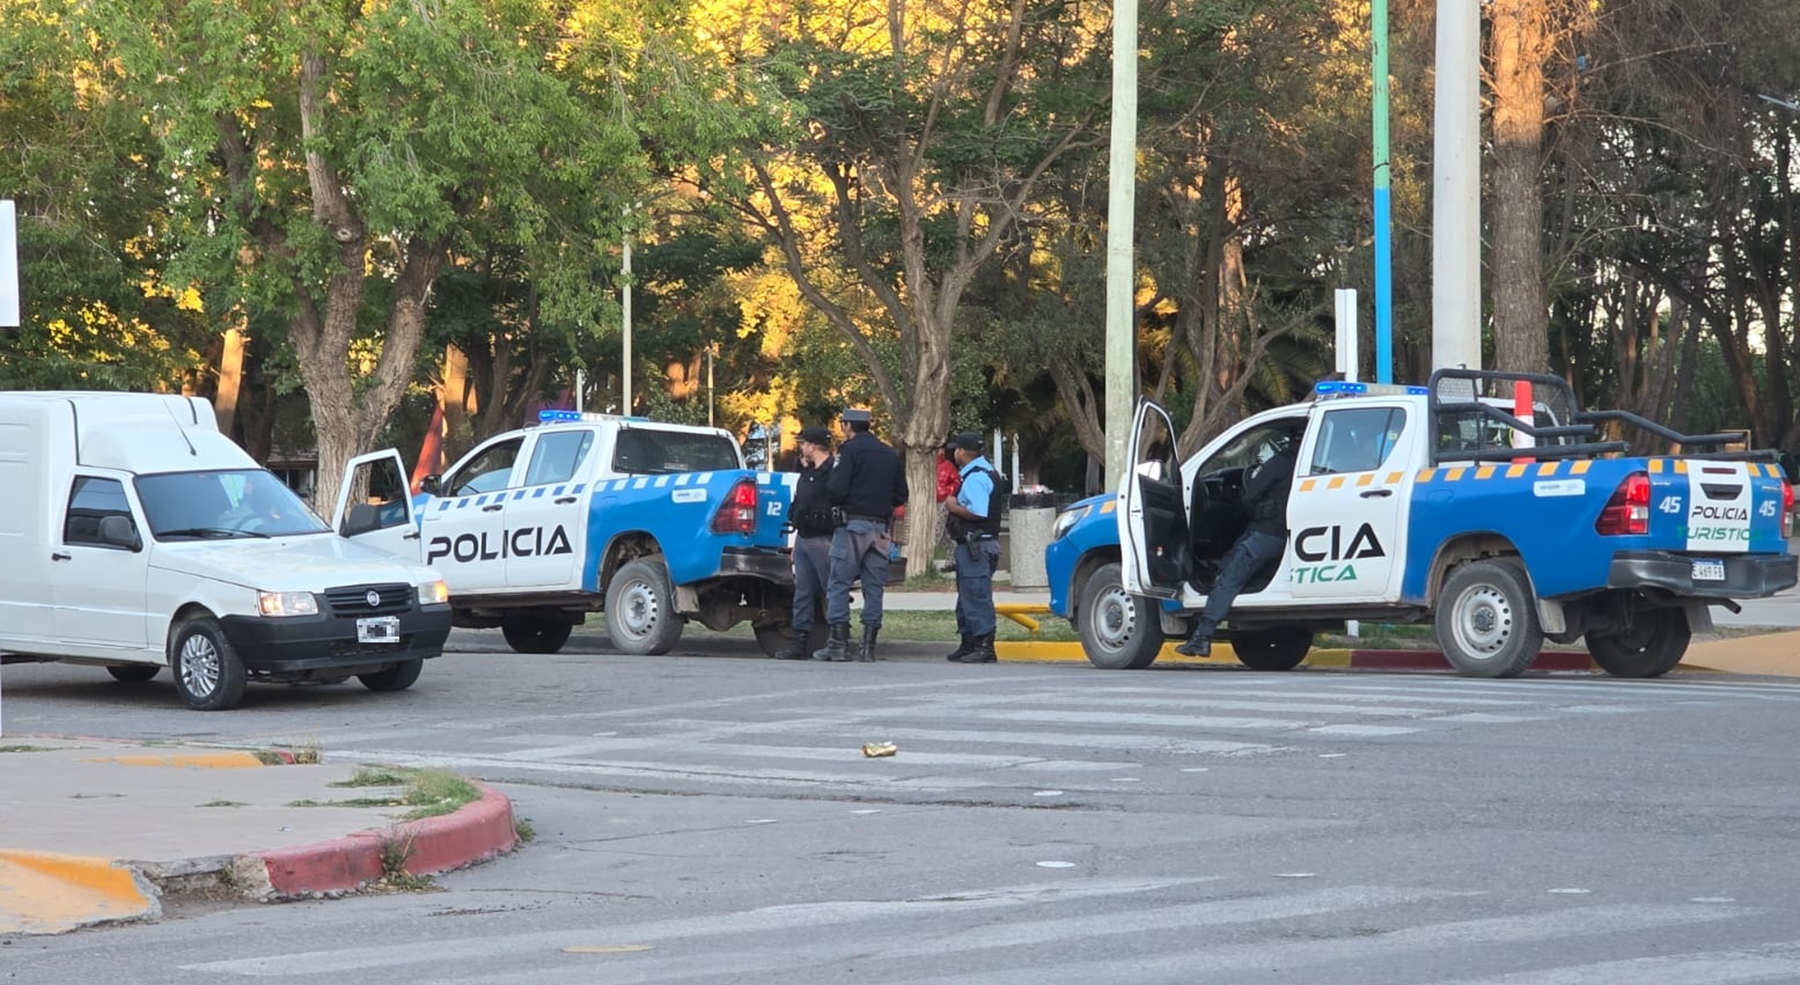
(812, 573)
(975, 565)
(1253, 552)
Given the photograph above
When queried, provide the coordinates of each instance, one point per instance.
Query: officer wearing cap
(975, 526)
(813, 527)
(866, 485)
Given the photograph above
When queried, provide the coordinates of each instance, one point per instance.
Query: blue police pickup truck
(1487, 504)
(653, 524)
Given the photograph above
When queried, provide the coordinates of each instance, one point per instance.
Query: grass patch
(24, 748)
(523, 830)
(395, 853)
(371, 776)
(429, 792)
(224, 803)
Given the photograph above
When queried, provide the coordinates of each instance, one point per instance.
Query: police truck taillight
(738, 514)
(1787, 511)
(1628, 511)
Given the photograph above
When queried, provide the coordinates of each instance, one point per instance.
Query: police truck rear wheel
(640, 609)
(1272, 649)
(209, 676)
(535, 634)
(1119, 631)
(1653, 646)
(1487, 620)
(399, 677)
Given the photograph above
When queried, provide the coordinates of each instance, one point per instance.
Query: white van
(133, 536)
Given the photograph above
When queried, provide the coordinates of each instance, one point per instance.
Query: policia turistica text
(866, 485)
(974, 523)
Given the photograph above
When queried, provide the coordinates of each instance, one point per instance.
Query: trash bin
(1032, 515)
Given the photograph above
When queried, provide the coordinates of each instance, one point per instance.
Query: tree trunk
(1521, 321)
(231, 377)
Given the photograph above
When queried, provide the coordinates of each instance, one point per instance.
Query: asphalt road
(709, 817)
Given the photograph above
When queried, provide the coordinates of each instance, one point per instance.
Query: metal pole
(1456, 188)
(709, 383)
(1384, 273)
(625, 305)
(1121, 271)
(580, 390)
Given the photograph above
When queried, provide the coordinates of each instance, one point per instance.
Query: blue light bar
(1355, 388)
(556, 416)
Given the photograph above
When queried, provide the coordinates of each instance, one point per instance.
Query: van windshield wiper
(212, 533)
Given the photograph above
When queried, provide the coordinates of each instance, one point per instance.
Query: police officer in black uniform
(813, 527)
(866, 485)
(1265, 498)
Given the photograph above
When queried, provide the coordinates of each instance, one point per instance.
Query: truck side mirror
(119, 531)
(430, 484)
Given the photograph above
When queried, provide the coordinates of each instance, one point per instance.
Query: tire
(1119, 631)
(775, 638)
(640, 609)
(536, 634)
(1653, 646)
(399, 677)
(133, 673)
(1272, 649)
(1487, 620)
(208, 673)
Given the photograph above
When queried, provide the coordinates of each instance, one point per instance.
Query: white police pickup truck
(654, 524)
(1484, 502)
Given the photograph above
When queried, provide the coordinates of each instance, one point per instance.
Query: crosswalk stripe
(1119, 719)
(1400, 694)
(1132, 743)
(1232, 704)
(491, 766)
(1700, 968)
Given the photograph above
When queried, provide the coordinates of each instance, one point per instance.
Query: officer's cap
(967, 441)
(816, 435)
(855, 415)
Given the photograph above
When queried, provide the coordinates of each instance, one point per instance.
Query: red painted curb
(474, 832)
(1434, 660)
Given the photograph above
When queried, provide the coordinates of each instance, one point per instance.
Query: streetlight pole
(1456, 188)
(1121, 270)
(625, 306)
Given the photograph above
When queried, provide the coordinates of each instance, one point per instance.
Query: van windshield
(229, 503)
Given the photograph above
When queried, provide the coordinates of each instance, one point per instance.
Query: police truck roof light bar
(1357, 388)
(577, 416)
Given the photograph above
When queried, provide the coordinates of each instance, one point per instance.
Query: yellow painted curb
(42, 893)
(200, 760)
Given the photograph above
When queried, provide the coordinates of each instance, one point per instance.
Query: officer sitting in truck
(1265, 500)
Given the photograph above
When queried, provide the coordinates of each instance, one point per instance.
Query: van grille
(354, 600)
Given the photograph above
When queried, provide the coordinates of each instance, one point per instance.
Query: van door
(1153, 525)
(464, 528)
(546, 517)
(99, 568)
(374, 505)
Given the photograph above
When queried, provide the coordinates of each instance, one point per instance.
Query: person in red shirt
(949, 480)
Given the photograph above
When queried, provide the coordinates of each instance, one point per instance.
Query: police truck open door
(1153, 524)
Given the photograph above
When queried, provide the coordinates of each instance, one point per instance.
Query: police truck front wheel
(640, 609)
(1119, 631)
(1651, 646)
(209, 676)
(535, 634)
(1487, 620)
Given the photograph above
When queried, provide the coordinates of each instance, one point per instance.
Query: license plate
(1707, 569)
(386, 629)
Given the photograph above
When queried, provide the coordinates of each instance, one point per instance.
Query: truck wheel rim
(1484, 621)
(199, 666)
(641, 610)
(1114, 619)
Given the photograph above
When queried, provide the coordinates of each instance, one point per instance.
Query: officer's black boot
(866, 652)
(838, 646)
(1199, 644)
(963, 649)
(983, 652)
(796, 649)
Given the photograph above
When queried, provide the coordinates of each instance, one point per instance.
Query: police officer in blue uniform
(974, 524)
(813, 527)
(866, 486)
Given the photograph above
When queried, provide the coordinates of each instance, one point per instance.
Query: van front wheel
(209, 675)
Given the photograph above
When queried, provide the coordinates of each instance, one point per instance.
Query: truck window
(1357, 439)
(643, 451)
(91, 500)
(558, 456)
(489, 470)
(224, 503)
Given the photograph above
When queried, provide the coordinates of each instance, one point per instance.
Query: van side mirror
(119, 531)
(430, 484)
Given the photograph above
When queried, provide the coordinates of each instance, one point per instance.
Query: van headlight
(434, 593)
(1065, 521)
(287, 603)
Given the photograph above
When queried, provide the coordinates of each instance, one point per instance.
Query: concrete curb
(1223, 656)
(44, 893)
(474, 833)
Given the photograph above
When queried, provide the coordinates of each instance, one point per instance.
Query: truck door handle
(1377, 493)
(564, 500)
(495, 508)
(412, 536)
(60, 556)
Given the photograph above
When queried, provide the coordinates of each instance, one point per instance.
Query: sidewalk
(96, 830)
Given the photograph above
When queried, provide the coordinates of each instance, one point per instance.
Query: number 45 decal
(1669, 504)
(1768, 508)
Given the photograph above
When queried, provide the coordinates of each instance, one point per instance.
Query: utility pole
(1456, 188)
(1121, 269)
(1384, 172)
(625, 310)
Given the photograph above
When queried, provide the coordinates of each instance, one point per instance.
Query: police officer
(813, 527)
(974, 523)
(866, 485)
(1265, 498)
